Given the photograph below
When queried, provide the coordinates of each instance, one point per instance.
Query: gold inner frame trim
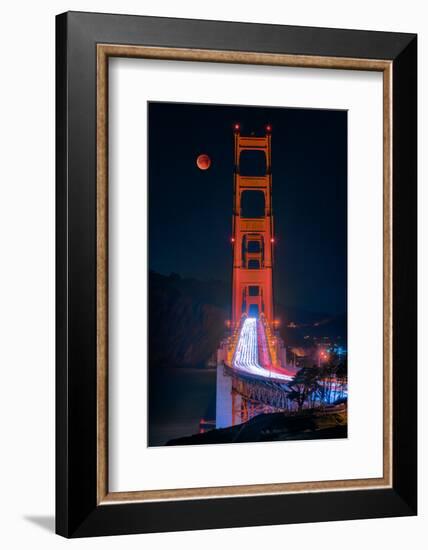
(104, 51)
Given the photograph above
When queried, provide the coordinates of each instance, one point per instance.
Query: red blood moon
(203, 162)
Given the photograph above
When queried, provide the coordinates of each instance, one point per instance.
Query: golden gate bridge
(252, 371)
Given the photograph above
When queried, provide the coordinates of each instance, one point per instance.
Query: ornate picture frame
(84, 505)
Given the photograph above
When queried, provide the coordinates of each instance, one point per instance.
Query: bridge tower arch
(252, 236)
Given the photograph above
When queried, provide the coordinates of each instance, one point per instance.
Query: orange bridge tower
(253, 236)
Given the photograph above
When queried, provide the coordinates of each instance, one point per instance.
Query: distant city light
(323, 356)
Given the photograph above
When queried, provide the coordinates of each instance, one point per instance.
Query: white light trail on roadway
(246, 354)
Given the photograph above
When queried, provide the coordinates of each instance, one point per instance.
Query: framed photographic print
(236, 274)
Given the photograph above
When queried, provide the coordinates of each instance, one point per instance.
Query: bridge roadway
(246, 358)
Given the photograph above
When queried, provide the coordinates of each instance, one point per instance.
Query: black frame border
(77, 512)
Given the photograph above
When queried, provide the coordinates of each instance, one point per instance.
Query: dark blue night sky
(190, 210)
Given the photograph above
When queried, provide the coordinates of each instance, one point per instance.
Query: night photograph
(247, 274)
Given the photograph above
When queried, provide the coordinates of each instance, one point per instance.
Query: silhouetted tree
(327, 381)
(342, 376)
(304, 387)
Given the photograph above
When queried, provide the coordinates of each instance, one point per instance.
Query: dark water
(178, 399)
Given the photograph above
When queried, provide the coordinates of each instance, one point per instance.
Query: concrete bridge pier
(223, 398)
